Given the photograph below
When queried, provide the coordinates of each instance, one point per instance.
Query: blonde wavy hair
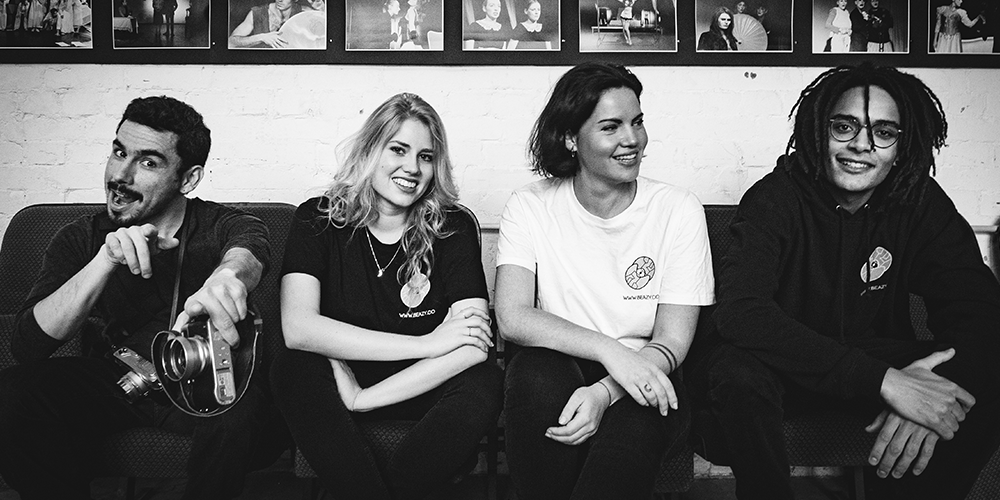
(354, 202)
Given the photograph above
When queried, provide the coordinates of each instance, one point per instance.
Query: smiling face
(856, 167)
(724, 21)
(405, 169)
(143, 177)
(534, 11)
(609, 145)
(492, 9)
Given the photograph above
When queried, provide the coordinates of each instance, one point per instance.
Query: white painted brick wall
(275, 128)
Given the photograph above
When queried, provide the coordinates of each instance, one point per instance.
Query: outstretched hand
(470, 326)
(134, 246)
(899, 442)
(223, 298)
(926, 398)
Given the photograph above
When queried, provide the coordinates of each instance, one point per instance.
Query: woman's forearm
(418, 378)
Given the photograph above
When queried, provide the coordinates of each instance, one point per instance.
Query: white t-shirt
(609, 275)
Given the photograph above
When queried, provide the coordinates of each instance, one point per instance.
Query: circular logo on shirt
(414, 291)
(878, 263)
(640, 272)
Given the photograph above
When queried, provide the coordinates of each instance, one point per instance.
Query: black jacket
(805, 283)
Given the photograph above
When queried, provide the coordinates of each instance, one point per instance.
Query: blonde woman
(384, 311)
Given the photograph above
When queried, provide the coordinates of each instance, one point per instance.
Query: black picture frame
(569, 53)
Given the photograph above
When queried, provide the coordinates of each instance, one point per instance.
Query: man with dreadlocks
(814, 300)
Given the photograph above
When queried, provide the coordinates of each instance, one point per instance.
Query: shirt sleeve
(238, 229)
(307, 248)
(961, 294)
(515, 245)
(67, 253)
(749, 317)
(459, 258)
(688, 278)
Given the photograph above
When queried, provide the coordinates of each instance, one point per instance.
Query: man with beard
(120, 268)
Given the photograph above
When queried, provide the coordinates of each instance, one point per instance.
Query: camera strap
(185, 234)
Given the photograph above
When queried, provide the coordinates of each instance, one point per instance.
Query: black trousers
(56, 411)
(620, 461)
(451, 421)
(740, 404)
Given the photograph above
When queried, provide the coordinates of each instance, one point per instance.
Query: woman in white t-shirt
(600, 278)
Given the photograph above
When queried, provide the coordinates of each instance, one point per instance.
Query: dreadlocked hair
(351, 199)
(922, 120)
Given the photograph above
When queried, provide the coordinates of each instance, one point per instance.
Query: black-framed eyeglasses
(884, 135)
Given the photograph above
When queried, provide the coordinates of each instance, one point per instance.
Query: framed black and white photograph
(26, 24)
(394, 25)
(511, 25)
(277, 24)
(161, 24)
(755, 26)
(628, 25)
(967, 27)
(870, 26)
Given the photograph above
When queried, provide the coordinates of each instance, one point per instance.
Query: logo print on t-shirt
(640, 272)
(880, 261)
(414, 291)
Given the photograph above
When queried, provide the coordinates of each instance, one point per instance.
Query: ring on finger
(648, 388)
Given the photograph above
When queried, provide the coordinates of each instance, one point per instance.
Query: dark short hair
(166, 114)
(921, 118)
(573, 100)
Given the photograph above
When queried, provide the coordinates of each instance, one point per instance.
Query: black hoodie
(806, 283)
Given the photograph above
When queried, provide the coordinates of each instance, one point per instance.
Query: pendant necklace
(381, 269)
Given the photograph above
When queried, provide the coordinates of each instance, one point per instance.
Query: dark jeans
(740, 404)
(620, 460)
(451, 421)
(56, 411)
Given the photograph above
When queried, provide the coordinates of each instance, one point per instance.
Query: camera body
(199, 371)
(200, 348)
(141, 377)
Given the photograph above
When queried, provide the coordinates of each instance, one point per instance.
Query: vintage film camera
(141, 378)
(200, 373)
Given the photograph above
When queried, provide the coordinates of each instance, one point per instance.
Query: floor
(277, 483)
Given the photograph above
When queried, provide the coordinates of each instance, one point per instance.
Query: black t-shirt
(134, 308)
(352, 292)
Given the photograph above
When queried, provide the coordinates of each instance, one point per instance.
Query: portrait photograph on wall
(394, 24)
(511, 25)
(871, 26)
(45, 24)
(968, 27)
(628, 25)
(277, 24)
(161, 24)
(754, 26)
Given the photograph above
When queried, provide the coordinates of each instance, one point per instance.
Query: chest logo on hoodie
(640, 272)
(878, 263)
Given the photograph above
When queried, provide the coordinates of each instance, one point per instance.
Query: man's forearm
(244, 265)
(60, 314)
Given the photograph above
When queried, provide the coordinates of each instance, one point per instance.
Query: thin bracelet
(610, 397)
(666, 352)
(660, 348)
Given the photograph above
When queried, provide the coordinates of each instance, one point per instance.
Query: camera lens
(184, 357)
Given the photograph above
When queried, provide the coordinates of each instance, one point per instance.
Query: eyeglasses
(884, 135)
